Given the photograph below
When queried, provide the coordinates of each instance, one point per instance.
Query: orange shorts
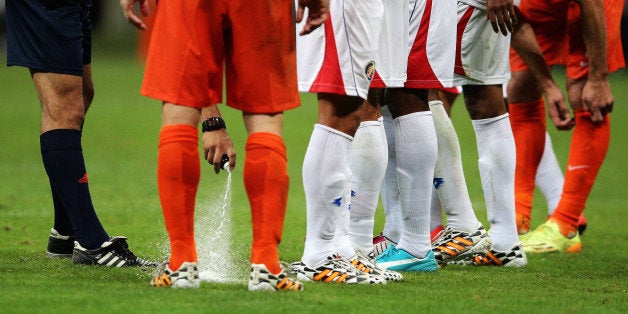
(193, 41)
(558, 30)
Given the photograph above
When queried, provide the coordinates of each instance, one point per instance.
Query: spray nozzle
(224, 163)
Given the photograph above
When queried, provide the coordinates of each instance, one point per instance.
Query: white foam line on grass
(213, 239)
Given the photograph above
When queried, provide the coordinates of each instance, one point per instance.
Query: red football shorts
(195, 41)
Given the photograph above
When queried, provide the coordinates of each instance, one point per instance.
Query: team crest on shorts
(370, 70)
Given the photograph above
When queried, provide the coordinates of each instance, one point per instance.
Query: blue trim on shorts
(49, 35)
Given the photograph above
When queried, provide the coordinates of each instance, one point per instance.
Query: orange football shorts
(252, 42)
(558, 30)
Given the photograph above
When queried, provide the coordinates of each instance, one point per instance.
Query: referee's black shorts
(49, 35)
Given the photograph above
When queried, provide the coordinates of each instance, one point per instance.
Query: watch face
(213, 124)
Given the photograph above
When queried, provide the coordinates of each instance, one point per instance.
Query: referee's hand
(128, 9)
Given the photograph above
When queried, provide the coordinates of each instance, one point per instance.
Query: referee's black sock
(62, 222)
(62, 155)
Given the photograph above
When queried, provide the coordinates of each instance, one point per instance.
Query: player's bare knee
(523, 87)
(479, 108)
(62, 113)
(403, 101)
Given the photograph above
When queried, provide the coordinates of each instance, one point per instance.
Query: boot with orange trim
(262, 279)
(514, 257)
(334, 270)
(454, 245)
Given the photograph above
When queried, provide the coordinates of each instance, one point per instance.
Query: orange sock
(266, 182)
(528, 127)
(589, 144)
(178, 174)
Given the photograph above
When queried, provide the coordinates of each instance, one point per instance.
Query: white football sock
(449, 176)
(436, 211)
(496, 151)
(342, 240)
(367, 161)
(325, 181)
(549, 176)
(416, 147)
(390, 187)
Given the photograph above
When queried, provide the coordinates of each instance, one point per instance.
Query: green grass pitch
(120, 146)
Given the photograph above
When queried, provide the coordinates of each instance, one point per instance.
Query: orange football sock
(527, 120)
(589, 144)
(178, 174)
(266, 182)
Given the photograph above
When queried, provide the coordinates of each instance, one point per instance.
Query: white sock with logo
(449, 176)
(416, 147)
(368, 159)
(390, 187)
(497, 158)
(325, 181)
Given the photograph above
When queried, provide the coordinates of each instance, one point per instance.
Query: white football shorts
(339, 57)
(392, 55)
(432, 43)
(481, 54)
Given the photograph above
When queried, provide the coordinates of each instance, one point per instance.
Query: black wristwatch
(213, 124)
